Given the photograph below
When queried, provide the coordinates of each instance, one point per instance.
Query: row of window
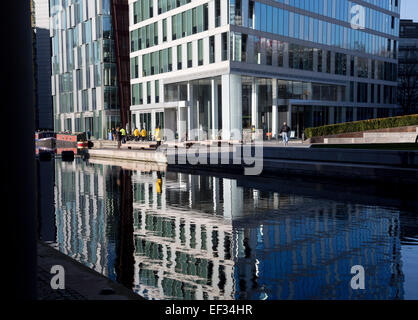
(144, 9)
(299, 90)
(93, 48)
(339, 10)
(372, 93)
(162, 61)
(137, 92)
(66, 102)
(289, 24)
(65, 80)
(302, 57)
(183, 24)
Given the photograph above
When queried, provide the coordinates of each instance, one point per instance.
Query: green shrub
(364, 125)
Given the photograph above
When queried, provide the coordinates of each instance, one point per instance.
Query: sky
(409, 9)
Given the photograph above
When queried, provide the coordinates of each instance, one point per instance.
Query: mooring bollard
(67, 155)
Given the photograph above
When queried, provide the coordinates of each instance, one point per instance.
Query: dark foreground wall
(19, 256)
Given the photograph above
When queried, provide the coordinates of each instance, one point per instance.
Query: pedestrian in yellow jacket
(136, 134)
(143, 134)
(158, 136)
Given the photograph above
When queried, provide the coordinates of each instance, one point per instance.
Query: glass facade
(307, 62)
(84, 73)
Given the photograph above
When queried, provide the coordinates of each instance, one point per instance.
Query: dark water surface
(172, 235)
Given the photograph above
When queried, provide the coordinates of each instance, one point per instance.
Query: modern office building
(41, 64)
(234, 64)
(408, 67)
(90, 82)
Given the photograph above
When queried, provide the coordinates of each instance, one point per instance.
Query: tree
(408, 81)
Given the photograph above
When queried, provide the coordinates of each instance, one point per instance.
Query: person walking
(123, 133)
(158, 136)
(118, 137)
(143, 134)
(136, 134)
(113, 134)
(284, 131)
(252, 133)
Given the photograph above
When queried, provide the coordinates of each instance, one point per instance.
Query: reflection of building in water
(183, 253)
(199, 237)
(87, 213)
(310, 256)
(207, 238)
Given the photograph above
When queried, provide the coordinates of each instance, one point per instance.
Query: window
(164, 30)
(135, 94)
(340, 64)
(189, 55)
(157, 91)
(244, 38)
(148, 92)
(194, 20)
(134, 68)
(257, 52)
(211, 49)
(200, 51)
(179, 57)
(218, 13)
(170, 59)
(269, 52)
(320, 61)
(155, 33)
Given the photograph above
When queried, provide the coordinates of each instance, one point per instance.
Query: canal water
(176, 235)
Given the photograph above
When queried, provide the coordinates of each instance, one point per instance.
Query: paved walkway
(81, 282)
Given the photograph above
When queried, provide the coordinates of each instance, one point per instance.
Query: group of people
(140, 135)
(120, 135)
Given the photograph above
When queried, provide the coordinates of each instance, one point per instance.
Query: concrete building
(233, 64)
(87, 69)
(408, 66)
(42, 64)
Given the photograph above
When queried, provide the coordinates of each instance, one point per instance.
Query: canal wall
(385, 166)
(133, 155)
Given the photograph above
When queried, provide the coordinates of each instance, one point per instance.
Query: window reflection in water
(171, 235)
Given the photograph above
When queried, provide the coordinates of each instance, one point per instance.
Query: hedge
(364, 125)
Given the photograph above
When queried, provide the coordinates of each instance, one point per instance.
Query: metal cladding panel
(120, 20)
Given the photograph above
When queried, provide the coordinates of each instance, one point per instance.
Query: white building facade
(207, 65)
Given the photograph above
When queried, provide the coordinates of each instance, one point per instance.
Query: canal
(177, 235)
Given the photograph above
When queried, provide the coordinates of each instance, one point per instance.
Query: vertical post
(226, 114)
(331, 117)
(289, 116)
(214, 92)
(343, 114)
(190, 124)
(274, 110)
(231, 106)
(181, 123)
(254, 104)
(198, 119)
(17, 92)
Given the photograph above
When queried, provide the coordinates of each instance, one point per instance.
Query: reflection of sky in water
(210, 238)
